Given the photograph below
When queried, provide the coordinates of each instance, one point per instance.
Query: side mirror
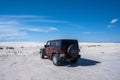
(46, 46)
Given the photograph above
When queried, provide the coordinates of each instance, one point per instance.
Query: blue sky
(42, 20)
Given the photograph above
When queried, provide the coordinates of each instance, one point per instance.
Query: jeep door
(47, 49)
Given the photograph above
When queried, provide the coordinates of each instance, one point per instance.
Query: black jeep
(61, 50)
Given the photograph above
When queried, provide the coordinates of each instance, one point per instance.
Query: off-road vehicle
(61, 50)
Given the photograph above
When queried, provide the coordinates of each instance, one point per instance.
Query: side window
(52, 43)
(57, 44)
(48, 43)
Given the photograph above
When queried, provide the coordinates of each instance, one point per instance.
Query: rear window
(67, 43)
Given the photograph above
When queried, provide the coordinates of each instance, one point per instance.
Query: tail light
(62, 51)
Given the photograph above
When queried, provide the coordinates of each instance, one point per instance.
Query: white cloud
(11, 33)
(8, 22)
(113, 21)
(30, 18)
(87, 33)
(110, 26)
(33, 29)
(15, 27)
(20, 16)
(44, 20)
(53, 29)
(52, 21)
(14, 32)
(39, 29)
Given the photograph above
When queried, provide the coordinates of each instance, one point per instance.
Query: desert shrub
(9, 47)
(99, 45)
(91, 46)
(22, 47)
(1, 48)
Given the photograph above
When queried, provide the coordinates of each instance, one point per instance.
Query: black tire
(42, 54)
(72, 51)
(74, 61)
(55, 60)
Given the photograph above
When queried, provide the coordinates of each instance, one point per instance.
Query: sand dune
(100, 61)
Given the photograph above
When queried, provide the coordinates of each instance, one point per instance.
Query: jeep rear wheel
(55, 60)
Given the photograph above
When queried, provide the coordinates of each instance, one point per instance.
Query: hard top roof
(62, 39)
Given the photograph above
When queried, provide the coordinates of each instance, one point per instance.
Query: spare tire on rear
(72, 51)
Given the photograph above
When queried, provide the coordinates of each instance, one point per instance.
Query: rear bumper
(69, 58)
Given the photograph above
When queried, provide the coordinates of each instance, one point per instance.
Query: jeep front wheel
(55, 60)
(42, 54)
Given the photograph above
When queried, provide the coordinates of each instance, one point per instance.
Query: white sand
(100, 61)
